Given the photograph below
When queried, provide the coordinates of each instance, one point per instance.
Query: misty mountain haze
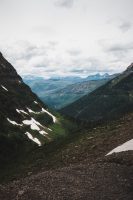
(58, 92)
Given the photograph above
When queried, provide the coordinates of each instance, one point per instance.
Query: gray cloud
(120, 50)
(73, 52)
(88, 65)
(64, 3)
(27, 51)
(77, 71)
(42, 60)
(118, 54)
(125, 26)
(43, 30)
(110, 46)
(29, 58)
(50, 60)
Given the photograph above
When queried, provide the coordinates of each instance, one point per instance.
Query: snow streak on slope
(21, 111)
(54, 118)
(128, 146)
(43, 111)
(13, 122)
(33, 139)
(4, 88)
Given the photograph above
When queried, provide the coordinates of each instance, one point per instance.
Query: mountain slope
(110, 101)
(24, 119)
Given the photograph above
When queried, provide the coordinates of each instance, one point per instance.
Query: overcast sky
(67, 37)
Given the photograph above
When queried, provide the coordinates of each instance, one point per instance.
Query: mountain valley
(45, 155)
(59, 92)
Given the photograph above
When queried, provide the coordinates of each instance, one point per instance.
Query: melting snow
(35, 102)
(54, 118)
(43, 133)
(49, 129)
(4, 88)
(44, 111)
(21, 111)
(13, 122)
(124, 147)
(31, 111)
(33, 139)
(34, 125)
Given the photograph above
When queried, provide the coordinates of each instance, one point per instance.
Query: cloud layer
(125, 26)
(64, 3)
(49, 60)
(67, 37)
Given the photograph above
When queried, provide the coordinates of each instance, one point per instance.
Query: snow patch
(34, 125)
(43, 133)
(128, 146)
(49, 129)
(19, 82)
(43, 111)
(33, 139)
(21, 111)
(31, 111)
(35, 102)
(54, 118)
(13, 122)
(4, 88)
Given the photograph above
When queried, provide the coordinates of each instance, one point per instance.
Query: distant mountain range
(60, 91)
(60, 98)
(111, 100)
